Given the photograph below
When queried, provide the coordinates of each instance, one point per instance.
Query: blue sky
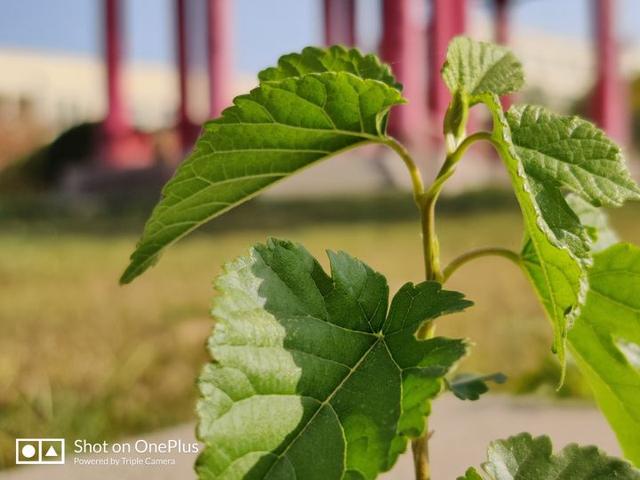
(263, 29)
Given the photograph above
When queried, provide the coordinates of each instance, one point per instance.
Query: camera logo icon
(39, 451)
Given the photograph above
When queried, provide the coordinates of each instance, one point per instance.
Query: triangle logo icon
(51, 452)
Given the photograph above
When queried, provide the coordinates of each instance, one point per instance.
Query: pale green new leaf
(332, 59)
(312, 377)
(477, 68)
(269, 134)
(605, 341)
(525, 458)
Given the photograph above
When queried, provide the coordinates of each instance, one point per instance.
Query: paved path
(461, 432)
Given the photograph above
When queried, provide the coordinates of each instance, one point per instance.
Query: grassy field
(82, 357)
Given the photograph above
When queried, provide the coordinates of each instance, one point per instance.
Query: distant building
(65, 90)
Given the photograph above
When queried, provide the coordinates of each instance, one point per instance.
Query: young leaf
(312, 377)
(467, 386)
(275, 131)
(525, 458)
(604, 337)
(477, 68)
(332, 59)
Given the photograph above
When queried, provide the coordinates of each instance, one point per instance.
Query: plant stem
(480, 252)
(420, 451)
(426, 202)
(431, 248)
(430, 245)
(453, 157)
(414, 171)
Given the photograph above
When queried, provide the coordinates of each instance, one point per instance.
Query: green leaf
(525, 458)
(571, 153)
(275, 131)
(471, 474)
(556, 251)
(468, 386)
(477, 68)
(605, 341)
(306, 362)
(545, 155)
(332, 59)
(605, 338)
(560, 153)
(559, 281)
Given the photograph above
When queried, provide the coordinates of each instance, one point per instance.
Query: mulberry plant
(321, 375)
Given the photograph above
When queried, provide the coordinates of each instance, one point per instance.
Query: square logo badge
(40, 451)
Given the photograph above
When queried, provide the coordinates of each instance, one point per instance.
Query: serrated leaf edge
(135, 269)
(403, 435)
(493, 104)
(282, 61)
(548, 445)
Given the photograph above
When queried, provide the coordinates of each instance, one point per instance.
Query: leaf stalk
(414, 171)
(458, 262)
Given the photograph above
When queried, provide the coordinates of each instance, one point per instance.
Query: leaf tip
(130, 274)
(137, 266)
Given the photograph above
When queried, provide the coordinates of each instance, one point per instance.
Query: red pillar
(502, 21)
(401, 47)
(187, 130)
(116, 123)
(340, 22)
(219, 55)
(120, 146)
(501, 34)
(448, 19)
(609, 110)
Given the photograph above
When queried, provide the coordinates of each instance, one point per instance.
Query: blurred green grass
(82, 357)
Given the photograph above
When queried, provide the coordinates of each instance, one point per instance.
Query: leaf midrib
(537, 230)
(326, 402)
(338, 131)
(494, 65)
